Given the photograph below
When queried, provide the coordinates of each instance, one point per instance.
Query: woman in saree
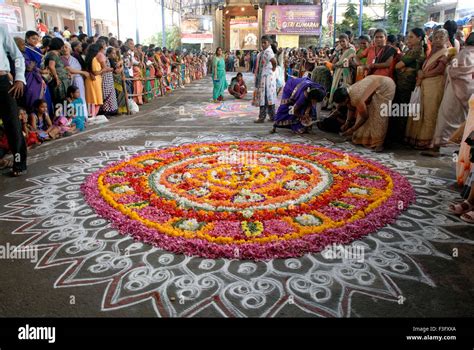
(405, 78)
(342, 71)
(149, 74)
(182, 67)
(94, 96)
(190, 67)
(61, 79)
(178, 62)
(465, 170)
(78, 75)
(110, 106)
(365, 100)
(36, 87)
(165, 59)
(159, 71)
(119, 85)
(174, 73)
(379, 57)
(299, 99)
(219, 78)
(187, 72)
(420, 132)
(310, 60)
(237, 87)
(363, 45)
(137, 79)
(464, 167)
(452, 28)
(204, 64)
(454, 107)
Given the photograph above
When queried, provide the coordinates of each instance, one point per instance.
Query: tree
(367, 23)
(351, 14)
(417, 14)
(173, 38)
(351, 20)
(351, 17)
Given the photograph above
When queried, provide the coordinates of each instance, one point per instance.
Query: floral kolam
(247, 200)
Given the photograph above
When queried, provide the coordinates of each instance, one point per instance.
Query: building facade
(238, 24)
(54, 13)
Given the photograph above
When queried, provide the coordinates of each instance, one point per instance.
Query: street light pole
(361, 11)
(118, 18)
(405, 16)
(334, 26)
(163, 27)
(88, 18)
(137, 32)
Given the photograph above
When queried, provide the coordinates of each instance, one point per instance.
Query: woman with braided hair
(452, 29)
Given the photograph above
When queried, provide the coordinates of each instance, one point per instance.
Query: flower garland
(247, 200)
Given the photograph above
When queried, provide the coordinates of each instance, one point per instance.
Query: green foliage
(173, 38)
(367, 23)
(351, 11)
(417, 14)
(351, 20)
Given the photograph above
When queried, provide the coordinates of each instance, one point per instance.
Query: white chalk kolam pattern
(56, 219)
(116, 135)
(104, 136)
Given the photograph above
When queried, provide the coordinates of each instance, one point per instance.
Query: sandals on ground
(18, 173)
(468, 217)
(461, 208)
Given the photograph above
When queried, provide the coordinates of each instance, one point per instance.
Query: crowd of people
(425, 78)
(240, 60)
(379, 89)
(61, 82)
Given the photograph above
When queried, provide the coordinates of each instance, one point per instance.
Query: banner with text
(293, 19)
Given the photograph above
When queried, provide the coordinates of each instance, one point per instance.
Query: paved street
(420, 266)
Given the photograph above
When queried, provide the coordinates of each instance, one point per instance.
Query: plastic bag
(415, 103)
(133, 107)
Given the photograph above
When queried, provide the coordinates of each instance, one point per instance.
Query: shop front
(241, 28)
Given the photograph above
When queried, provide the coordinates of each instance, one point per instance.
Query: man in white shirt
(57, 33)
(8, 93)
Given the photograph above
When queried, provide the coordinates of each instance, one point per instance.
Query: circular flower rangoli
(247, 200)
